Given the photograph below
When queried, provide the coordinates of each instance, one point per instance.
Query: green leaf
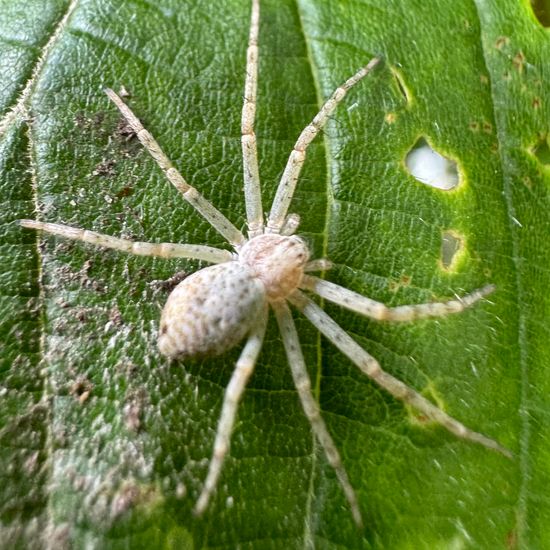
(105, 444)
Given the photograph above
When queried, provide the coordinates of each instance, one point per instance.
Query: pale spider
(214, 309)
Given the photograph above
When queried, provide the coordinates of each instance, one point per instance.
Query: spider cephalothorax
(276, 260)
(217, 307)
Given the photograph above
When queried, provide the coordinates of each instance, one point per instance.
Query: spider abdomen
(211, 311)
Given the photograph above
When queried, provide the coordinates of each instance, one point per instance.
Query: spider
(219, 306)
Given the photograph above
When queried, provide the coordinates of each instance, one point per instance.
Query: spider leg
(310, 406)
(164, 250)
(349, 347)
(233, 393)
(286, 187)
(190, 194)
(322, 264)
(252, 189)
(290, 225)
(379, 311)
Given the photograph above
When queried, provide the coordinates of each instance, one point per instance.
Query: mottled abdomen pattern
(210, 311)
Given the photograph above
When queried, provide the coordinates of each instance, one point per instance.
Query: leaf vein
(20, 108)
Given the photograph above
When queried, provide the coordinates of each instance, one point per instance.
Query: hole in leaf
(542, 151)
(430, 167)
(401, 86)
(451, 245)
(541, 9)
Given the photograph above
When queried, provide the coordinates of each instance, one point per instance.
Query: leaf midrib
(14, 115)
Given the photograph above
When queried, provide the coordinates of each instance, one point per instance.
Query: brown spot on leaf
(106, 168)
(512, 539)
(133, 410)
(124, 130)
(404, 280)
(501, 42)
(81, 389)
(115, 316)
(519, 61)
(125, 192)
